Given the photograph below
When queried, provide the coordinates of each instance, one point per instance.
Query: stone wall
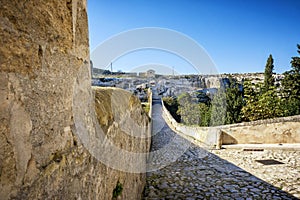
(47, 108)
(208, 136)
(269, 131)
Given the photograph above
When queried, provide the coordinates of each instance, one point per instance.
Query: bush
(172, 105)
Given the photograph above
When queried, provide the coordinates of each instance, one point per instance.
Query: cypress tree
(269, 79)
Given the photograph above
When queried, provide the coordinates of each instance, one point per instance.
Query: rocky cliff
(47, 109)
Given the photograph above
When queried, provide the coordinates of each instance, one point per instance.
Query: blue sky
(238, 35)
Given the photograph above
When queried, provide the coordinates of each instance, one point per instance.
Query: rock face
(46, 100)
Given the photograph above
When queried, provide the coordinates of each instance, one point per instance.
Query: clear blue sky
(239, 35)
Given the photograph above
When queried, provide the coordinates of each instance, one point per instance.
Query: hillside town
(173, 85)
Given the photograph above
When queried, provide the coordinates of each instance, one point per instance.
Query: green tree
(218, 108)
(268, 78)
(251, 96)
(172, 105)
(261, 104)
(296, 62)
(270, 105)
(188, 110)
(291, 87)
(263, 101)
(205, 114)
(234, 102)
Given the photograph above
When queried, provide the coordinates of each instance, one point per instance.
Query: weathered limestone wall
(46, 103)
(270, 131)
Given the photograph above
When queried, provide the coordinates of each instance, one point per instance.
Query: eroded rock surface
(44, 74)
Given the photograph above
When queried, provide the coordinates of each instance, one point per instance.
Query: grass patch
(146, 107)
(118, 190)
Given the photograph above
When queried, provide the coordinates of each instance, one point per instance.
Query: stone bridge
(199, 173)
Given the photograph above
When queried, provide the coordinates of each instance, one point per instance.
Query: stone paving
(285, 176)
(201, 174)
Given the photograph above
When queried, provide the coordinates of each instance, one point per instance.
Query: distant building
(151, 73)
(131, 74)
(142, 74)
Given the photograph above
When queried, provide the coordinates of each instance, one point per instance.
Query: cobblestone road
(200, 174)
(285, 176)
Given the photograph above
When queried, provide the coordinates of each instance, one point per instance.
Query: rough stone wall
(269, 132)
(44, 74)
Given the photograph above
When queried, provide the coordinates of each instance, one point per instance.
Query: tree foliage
(188, 110)
(192, 112)
(296, 62)
(251, 96)
(268, 78)
(205, 114)
(267, 101)
(261, 105)
(291, 87)
(234, 102)
(171, 104)
(218, 108)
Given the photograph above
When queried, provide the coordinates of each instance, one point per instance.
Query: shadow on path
(199, 174)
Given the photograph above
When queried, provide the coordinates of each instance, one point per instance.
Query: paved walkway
(198, 173)
(285, 176)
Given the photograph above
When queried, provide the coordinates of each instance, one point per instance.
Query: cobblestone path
(198, 173)
(285, 176)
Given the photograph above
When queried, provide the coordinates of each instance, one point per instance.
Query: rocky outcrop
(47, 105)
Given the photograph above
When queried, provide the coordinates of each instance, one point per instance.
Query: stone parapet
(269, 131)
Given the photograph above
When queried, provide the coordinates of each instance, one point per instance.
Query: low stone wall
(209, 136)
(270, 131)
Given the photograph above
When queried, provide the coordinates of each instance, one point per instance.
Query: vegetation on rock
(118, 190)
